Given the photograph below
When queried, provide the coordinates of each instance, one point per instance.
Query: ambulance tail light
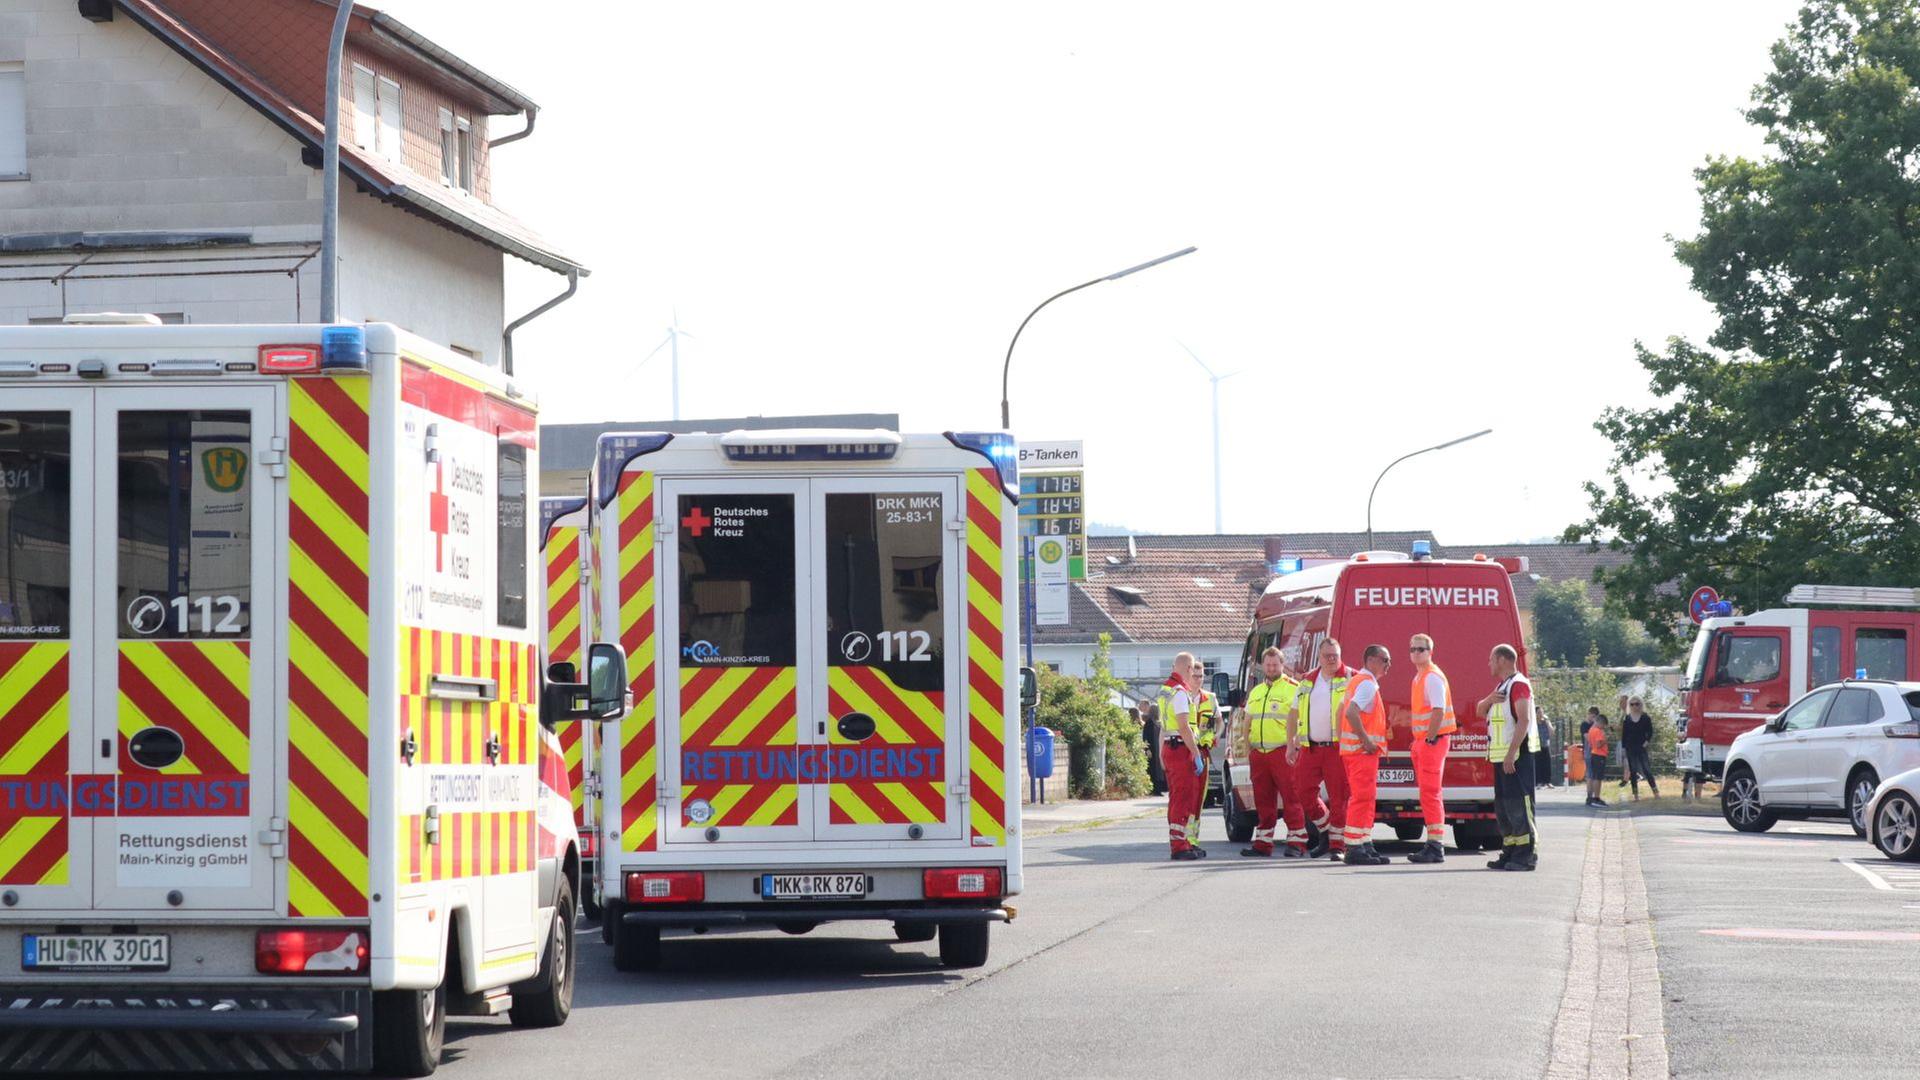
(289, 359)
(1000, 449)
(666, 887)
(343, 348)
(961, 883)
(310, 952)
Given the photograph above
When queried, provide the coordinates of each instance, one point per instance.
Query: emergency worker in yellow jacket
(1269, 714)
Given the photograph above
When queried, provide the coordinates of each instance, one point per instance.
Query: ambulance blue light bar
(801, 445)
(343, 348)
(1000, 449)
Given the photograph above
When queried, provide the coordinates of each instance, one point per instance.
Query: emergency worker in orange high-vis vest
(1363, 738)
(1433, 727)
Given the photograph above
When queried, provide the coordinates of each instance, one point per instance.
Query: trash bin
(1042, 752)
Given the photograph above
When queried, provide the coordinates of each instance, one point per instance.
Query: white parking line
(1887, 877)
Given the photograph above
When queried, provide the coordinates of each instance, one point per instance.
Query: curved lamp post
(1006, 410)
(1398, 460)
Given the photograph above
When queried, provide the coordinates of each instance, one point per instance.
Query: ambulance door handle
(493, 749)
(823, 728)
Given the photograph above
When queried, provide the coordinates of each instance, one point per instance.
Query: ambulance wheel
(590, 903)
(1240, 822)
(963, 945)
(609, 920)
(636, 948)
(1409, 833)
(913, 933)
(546, 999)
(409, 1027)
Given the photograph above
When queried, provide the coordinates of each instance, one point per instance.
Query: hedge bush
(1082, 714)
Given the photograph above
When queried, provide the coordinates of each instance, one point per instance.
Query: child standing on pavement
(1596, 757)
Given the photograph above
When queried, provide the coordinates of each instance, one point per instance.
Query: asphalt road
(1778, 958)
(1119, 960)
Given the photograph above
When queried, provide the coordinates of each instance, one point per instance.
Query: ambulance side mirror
(1029, 688)
(603, 696)
(1222, 685)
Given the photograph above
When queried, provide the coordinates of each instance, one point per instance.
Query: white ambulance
(819, 627)
(570, 625)
(277, 790)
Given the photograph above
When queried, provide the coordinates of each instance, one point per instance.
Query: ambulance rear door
(890, 695)
(735, 762)
(139, 646)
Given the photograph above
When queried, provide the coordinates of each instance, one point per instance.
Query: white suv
(1823, 755)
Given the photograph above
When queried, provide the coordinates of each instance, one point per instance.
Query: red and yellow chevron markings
(742, 708)
(448, 732)
(199, 690)
(327, 716)
(564, 631)
(902, 718)
(33, 762)
(986, 660)
(639, 735)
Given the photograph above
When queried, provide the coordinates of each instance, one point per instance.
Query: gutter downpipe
(532, 114)
(506, 336)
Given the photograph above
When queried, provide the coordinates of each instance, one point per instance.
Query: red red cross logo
(437, 506)
(696, 521)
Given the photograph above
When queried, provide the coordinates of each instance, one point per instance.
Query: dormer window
(376, 114)
(456, 151)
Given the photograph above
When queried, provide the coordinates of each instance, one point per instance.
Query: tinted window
(1825, 654)
(736, 580)
(1805, 713)
(36, 557)
(1882, 654)
(513, 535)
(1913, 704)
(1748, 660)
(884, 591)
(186, 524)
(1855, 705)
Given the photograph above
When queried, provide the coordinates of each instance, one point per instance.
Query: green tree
(1567, 626)
(1083, 715)
(1783, 450)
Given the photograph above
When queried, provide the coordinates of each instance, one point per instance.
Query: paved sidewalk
(1052, 817)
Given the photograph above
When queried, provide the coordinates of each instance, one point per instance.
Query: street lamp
(330, 168)
(1006, 410)
(1216, 380)
(1398, 460)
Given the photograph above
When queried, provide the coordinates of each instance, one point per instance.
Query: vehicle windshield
(1697, 660)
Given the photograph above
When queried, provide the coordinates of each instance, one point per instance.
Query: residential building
(163, 156)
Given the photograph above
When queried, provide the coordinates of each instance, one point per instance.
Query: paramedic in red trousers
(1363, 738)
(1269, 710)
(1433, 726)
(1179, 754)
(1315, 756)
(1206, 727)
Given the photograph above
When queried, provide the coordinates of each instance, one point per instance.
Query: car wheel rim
(1743, 801)
(1862, 795)
(426, 1010)
(559, 949)
(1899, 826)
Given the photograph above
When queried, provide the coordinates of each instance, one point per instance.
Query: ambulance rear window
(513, 535)
(185, 538)
(35, 546)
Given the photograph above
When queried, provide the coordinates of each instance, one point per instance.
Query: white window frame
(391, 139)
(10, 68)
(449, 169)
(463, 151)
(366, 109)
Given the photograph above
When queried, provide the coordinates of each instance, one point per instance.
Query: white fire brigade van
(277, 790)
(818, 627)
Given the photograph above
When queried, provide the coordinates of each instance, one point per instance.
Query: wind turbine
(1216, 380)
(671, 342)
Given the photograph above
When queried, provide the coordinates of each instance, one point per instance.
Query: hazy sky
(1415, 220)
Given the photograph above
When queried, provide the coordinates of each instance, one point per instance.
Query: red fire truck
(1385, 597)
(1745, 668)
